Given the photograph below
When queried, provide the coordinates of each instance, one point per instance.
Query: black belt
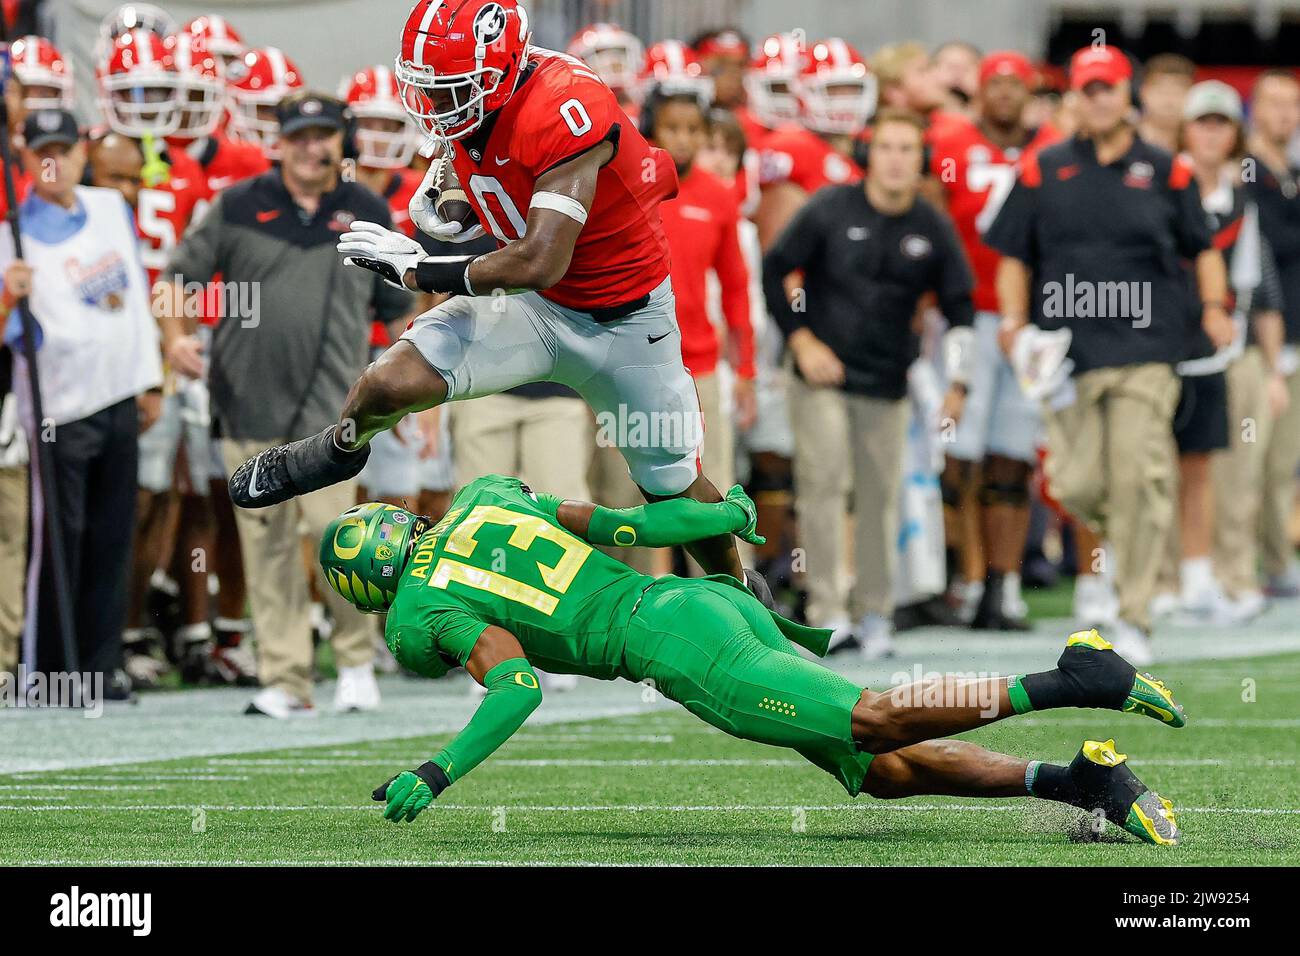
(613, 313)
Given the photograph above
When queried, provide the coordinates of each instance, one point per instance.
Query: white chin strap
(564, 205)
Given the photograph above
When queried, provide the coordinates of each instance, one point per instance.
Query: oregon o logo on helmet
(348, 546)
(490, 23)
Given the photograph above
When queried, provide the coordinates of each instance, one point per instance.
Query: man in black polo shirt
(281, 369)
(1274, 184)
(1099, 227)
(868, 252)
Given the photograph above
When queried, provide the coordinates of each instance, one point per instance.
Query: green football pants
(714, 649)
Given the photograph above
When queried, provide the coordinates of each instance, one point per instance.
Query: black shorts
(1201, 420)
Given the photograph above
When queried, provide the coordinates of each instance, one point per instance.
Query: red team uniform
(561, 110)
(796, 155)
(607, 329)
(702, 226)
(977, 177)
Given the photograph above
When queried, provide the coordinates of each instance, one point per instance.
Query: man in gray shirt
(292, 336)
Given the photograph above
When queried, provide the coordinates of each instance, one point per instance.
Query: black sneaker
(298, 468)
(757, 584)
(991, 613)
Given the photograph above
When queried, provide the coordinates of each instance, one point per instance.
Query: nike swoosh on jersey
(267, 215)
(499, 161)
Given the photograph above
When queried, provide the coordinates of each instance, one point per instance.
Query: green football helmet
(364, 550)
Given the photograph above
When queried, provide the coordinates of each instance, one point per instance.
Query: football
(452, 205)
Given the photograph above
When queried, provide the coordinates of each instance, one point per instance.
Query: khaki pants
(1112, 463)
(13, 563)
(718, 454)
(544, 441)
(1281, 456)
(1238, 476)
(269, 540)
(847, 444)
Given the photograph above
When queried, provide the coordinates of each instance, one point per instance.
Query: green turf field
(660, 787)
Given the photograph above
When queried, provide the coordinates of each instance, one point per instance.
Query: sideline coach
(869, 251)
(1104, 211)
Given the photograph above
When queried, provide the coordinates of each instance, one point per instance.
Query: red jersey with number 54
(560, 110)
(977, 176)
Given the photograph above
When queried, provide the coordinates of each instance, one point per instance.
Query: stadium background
(174, 755)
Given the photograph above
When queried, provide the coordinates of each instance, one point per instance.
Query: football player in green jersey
(509, 579)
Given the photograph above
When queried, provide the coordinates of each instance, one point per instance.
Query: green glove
(411, 791)
(748, 533)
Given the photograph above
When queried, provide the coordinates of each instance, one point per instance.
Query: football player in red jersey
(615, 54)
(140, 97)
(837, 95)
(201, 79)
(725, 56)
(975, 163)
(220, 38)
(578, 292)
(44, 73)
(263, 78)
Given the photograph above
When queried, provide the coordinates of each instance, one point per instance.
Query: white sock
(1197, 576)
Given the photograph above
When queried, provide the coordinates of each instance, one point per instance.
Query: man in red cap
(994, 447)
(1097, 237)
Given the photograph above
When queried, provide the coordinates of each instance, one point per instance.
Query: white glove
(382, 251)
(425, 216)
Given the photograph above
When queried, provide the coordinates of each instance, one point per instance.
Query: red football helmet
(672, 68)
(45, 75)
(138, 90)
(460, 61)
(266, 77)
(836, 88)
(773, 80)
(386, 138)
(612, 52)
(128, 17)
(220, 38)
(201, 80)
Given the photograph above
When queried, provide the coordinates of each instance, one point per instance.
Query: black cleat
(1105, 786)
(757, 584)
(298, 468)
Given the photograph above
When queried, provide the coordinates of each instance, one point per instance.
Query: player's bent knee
(665, 478)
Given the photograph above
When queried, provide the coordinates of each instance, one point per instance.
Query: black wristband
(434, 776)
(443, 274)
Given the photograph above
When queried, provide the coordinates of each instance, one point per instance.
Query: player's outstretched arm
(513, 692)
(659, 524)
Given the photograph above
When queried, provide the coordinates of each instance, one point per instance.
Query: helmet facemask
(137, 106)
(449, 107)
(839, 104)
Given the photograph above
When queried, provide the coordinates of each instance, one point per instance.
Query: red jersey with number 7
(977, 177)
(560, 110)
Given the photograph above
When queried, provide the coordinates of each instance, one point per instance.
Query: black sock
(1051, 781)
(1049, 689)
